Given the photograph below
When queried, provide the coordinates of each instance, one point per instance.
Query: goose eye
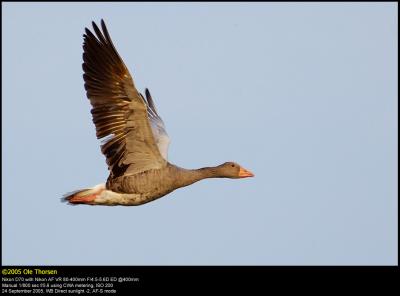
(232, 165)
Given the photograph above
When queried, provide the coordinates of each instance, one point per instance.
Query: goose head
(233, 170)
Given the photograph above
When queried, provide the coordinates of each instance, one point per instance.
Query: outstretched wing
(119, 112)
(157, 125)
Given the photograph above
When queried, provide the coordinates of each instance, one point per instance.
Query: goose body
(134, 138)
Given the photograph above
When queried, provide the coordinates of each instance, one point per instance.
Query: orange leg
(83, 199)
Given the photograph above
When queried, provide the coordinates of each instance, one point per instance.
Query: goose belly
(149, 184)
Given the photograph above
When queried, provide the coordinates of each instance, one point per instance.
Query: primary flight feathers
(119, 110)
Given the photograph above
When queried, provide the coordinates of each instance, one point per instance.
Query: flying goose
(135, 142)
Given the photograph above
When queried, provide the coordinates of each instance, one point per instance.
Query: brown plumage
(135, 142)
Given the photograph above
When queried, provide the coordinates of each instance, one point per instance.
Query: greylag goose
(135, 142)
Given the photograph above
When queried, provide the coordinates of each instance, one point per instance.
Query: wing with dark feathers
(118, 110)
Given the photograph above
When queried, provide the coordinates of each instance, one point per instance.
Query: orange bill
(243, 173)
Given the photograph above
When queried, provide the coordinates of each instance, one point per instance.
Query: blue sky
(302, 94)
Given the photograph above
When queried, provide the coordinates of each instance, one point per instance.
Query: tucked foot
(85, 196)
